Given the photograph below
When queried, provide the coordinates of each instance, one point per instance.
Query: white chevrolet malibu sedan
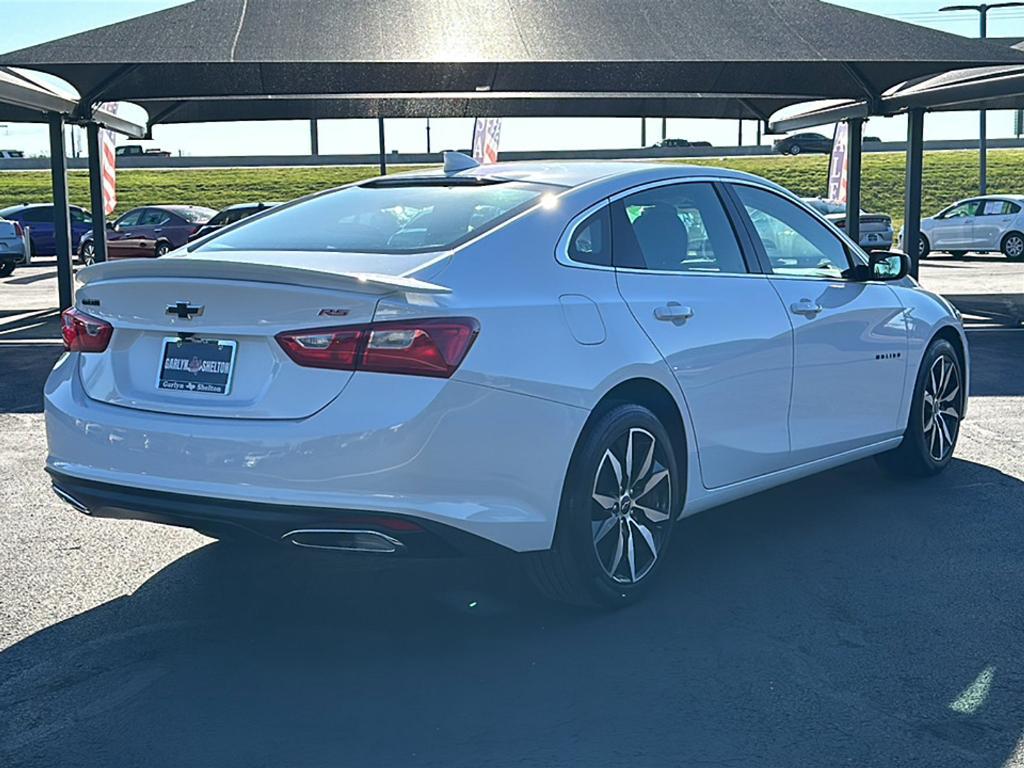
(554, 360)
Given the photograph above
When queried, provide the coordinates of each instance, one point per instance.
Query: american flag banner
(486, 134)
(108, 165)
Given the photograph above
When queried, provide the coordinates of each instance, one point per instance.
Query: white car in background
(557, 360)
(14, 247)
(989, 224)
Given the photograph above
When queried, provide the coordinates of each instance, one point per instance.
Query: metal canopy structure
(979, 88)
(259, 48)
(273, 59)
(24, 99)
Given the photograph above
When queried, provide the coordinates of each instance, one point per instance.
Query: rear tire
(162, 249)
(935, 415)
(796, 149)
(7, 268)
(621, 496)
(1013, 246)
(958, 254)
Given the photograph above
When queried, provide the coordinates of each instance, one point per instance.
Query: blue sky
(27, 22)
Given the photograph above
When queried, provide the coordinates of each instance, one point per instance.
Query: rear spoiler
(212, 268)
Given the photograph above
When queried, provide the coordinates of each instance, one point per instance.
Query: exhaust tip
(344, 540)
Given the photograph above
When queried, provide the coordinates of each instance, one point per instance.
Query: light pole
(428, 135)
(982, 11)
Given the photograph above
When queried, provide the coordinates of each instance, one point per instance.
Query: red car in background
(147, 232)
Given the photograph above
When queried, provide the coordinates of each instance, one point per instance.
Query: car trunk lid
(211, 321)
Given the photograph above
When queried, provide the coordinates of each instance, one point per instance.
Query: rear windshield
(383, 218)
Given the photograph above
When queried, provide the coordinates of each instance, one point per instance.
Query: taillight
(433, 347)
(84, 333)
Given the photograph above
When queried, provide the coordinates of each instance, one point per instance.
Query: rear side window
(38, 214)
(387, 218)
(677, 228)
(591, 242)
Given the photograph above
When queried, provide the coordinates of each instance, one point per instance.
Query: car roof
(577, 174)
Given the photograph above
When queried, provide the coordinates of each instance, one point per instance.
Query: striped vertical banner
(486, 135)
(108, 165)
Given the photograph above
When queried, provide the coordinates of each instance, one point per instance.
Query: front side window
(131, 218)
(386, 217)
(677, 228)
(794, 241)
(962, 210)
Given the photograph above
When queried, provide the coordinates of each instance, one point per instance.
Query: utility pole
(643, 132)
(428, 135)
(982, 11)
(664, 128)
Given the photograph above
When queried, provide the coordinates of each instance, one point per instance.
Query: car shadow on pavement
(847, 618)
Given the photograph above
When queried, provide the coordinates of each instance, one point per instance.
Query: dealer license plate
(197, 365)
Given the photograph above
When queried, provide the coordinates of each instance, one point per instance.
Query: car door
(149, 228)
(122, 241)
(39, 221)
(849, 337)
(81, 222)
(954, 229)
(722, 329)
(993, 220)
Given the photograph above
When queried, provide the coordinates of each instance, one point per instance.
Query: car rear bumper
(486, 462)
(230, 519)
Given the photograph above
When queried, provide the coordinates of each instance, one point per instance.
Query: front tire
(935, 416)
(621, 496)
(162, 249)
(796, 149)
(7, 268)
(923, 248)
(958, 254)
(1013, 246)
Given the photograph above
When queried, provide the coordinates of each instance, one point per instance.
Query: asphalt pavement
(847, 619)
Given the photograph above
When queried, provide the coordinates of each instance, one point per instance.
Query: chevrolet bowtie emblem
(184, 310)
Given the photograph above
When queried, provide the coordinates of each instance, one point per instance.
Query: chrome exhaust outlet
(344, 540)
(65, 496)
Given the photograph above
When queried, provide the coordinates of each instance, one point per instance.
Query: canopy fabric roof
(221, 48)
(25, 100)
(956, 90)
(463, 105)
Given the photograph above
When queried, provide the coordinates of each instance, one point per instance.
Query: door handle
(673, 312)
(158, 230)
(806, 307)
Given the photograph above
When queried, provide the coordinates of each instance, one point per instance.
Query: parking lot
(845, 619)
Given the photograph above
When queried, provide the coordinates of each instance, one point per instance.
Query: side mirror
(111, 225)
(888, 265)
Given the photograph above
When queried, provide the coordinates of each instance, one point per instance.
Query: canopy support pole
(99, 219)
(383, 156)
(853, 172)
(61, 212)
(314, 138)
(915, 172)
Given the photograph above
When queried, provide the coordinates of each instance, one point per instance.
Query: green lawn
(947, 177)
